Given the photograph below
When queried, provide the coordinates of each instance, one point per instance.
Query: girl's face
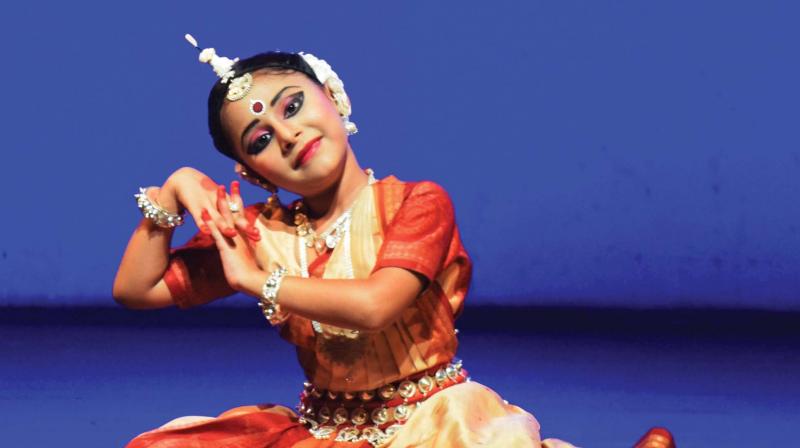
(287, 129)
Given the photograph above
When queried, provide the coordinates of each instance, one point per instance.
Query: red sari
(397, 224)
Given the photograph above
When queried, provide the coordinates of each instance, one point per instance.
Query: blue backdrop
(619, 153)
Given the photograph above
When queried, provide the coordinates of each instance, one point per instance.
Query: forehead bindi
(238, 113)
(264, 96)
(257, 107)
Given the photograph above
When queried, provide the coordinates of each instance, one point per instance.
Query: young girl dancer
(365, 276)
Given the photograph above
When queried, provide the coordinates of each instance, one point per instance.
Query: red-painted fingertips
(235, 188)
(205, 215)
(253, 233)
(204, 228)
(221, 192)
(229, 232)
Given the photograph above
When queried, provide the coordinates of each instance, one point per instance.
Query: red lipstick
(307, 152)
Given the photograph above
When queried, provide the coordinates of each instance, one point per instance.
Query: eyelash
(259, 143)
(297, 101)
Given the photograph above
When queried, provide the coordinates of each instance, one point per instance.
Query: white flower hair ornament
(223, 67)
(238, 87)
(326, 76)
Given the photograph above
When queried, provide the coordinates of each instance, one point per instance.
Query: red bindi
(256, 107)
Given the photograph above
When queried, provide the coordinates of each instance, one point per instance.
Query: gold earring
(273, 201)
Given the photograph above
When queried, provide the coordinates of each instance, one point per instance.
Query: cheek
(324, 112)
(333, 127)
(265, 164)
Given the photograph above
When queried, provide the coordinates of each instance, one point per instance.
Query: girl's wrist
(166, 198)
(156, 217)
(268, 302)
(253, 282)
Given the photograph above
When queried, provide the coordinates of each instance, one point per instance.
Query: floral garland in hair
(238, 87)
(328, 77)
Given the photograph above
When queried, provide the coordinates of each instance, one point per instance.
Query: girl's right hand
(191, 190)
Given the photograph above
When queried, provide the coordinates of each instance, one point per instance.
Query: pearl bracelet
(155, 213)
(268, 302)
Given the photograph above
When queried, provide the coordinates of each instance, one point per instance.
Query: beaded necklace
(339, 232)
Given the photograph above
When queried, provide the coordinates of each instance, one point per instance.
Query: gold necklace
(329, 238)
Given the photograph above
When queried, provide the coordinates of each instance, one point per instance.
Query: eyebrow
(252, 124)
(278, 95)
(246, 130)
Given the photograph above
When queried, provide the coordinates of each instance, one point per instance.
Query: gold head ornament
(239, 86)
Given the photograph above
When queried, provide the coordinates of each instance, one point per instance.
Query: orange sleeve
(419, 236)
(194, 275)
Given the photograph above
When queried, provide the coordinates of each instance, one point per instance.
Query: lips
(307, 152)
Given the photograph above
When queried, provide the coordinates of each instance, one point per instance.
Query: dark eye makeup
(259, 143)
(293, 105)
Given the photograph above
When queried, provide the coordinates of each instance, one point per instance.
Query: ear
(343, 109)
(329, 93)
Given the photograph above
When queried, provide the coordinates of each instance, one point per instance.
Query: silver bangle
(268, 302)
(155, 213)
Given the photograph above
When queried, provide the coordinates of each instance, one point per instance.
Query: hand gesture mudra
(233, 235)
(216, 214)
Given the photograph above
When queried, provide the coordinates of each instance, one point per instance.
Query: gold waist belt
(373, 415)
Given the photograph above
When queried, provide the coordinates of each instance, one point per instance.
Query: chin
(321, 173)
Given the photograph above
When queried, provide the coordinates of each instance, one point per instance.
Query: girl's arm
(413, 252)
(140, 281)
(361, 304)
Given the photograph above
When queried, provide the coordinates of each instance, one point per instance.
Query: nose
(288, 136)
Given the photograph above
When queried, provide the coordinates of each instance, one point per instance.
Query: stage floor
(96, 379)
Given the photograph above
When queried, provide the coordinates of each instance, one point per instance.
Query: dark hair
(273, 61)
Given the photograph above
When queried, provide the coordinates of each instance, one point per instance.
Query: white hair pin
(237, 87)
(327, 76)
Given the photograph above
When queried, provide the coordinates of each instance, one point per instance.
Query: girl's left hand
(231, 234)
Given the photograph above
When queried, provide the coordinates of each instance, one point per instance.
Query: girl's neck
(325, 207)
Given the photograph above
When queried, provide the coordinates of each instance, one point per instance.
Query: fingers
(204, 228)
(236, 198)
(191, 192)
(223, 208)
(213, 229)
(210, 225)
(244, 227)
(205, 214)
(236, 202)
(239, 219)
(197, 216)
(229, 224)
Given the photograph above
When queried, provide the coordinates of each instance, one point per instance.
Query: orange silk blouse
(409, 225)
